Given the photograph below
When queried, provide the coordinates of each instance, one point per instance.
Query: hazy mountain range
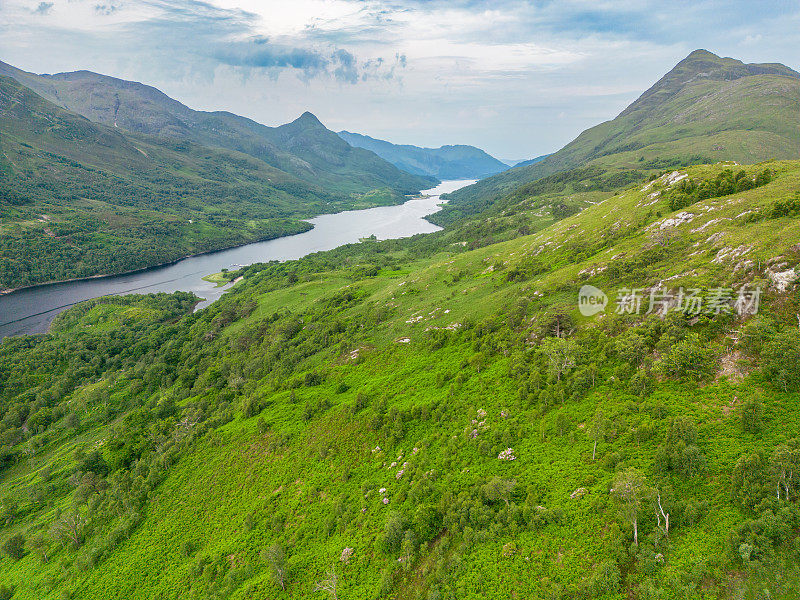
(446, 162)
(304, 148)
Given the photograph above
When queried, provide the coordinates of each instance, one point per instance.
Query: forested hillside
(78, 198)
(304, 148)
(435, 418)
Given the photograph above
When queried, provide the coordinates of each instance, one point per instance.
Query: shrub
(393, 532)
(605, 580)
(690, 359)
(786, 208)
(781, 360)
(15, 546)
(751, 415)
(748, 481)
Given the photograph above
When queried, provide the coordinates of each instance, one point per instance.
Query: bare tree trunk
(594, 449)
(635, 531)
(663, 514)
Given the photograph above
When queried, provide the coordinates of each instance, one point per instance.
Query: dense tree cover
(689, 191)
(79, 199)
(161, 387)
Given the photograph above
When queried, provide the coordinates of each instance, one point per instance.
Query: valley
(411, 400)
(31, 310)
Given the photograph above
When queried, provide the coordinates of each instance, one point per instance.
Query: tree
(41, 547)
(597, 429)
(499, 489)
(276, 559)
(605, 579)
(690, 359)
(783, 465)
(630, 488)
(69, 529)
(561, 356)
(781, 359)
(680, 453)
(393, 531)
(662, 517)
(330, 585)
(748, 480)
(751, 415)
(15, 546)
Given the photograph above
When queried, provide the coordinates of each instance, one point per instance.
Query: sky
(518, 79)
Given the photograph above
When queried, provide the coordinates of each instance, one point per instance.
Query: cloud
(258, 52)
(346, 68)
(106, 9)
(43, 8)
(517, 76)
(337, 63)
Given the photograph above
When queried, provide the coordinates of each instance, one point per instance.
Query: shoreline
(7, 291)
(93, 286)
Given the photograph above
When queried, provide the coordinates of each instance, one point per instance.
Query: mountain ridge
(736, 111)
(141, 108)
(80, 198)
(456, 161)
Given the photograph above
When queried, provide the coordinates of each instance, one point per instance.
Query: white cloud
(516, 77)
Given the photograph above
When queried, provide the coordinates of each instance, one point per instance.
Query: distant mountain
(705, 109)
(304, 148)
(446, 162)
(80, 198)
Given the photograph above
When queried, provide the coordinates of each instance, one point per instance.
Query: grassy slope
(707, 106)
(312, 483)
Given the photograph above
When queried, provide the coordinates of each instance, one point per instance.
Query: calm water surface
(32, 310)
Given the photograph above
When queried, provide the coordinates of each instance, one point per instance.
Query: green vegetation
(706, 109)
(727, 182)
(428, 418)
(79, 199)
(304, 150)
(220, 279)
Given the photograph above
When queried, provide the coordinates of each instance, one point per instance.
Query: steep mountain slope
(414, 419)
(78, 198)
(304, 148)
(446, 162)
(706, 109)
(531, 161)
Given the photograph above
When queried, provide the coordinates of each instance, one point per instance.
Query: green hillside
(445, 162)
(706, 109)
(78, 198)
(418, 419)
(304, 148)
